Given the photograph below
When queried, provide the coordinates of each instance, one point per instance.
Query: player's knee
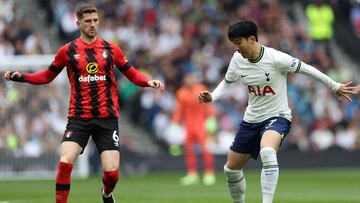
(67, 159)
(232, 174)
(268, 156)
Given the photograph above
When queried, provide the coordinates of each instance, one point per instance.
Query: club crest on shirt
(105, 54)
(68, 133)
(267, 76)
(293, 62)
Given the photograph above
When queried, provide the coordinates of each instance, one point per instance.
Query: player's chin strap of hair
(17, 78)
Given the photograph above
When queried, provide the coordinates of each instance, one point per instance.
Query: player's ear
(78, 23)
(252, 39)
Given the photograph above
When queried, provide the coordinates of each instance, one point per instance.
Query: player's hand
(157, 84)
(14, 76)
(346, 90)
(205, 97)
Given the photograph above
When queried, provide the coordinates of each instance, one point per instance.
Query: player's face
(89, 25)
(189, 80)
(244, 46)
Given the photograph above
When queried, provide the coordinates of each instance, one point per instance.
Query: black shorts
(248, 137)
(104, 132)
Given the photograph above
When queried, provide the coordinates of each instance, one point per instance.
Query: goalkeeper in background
(192, 115)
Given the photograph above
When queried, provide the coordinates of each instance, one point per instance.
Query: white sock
(269, 174)
(236, 184)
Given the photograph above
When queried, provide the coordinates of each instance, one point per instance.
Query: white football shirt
(265, 79)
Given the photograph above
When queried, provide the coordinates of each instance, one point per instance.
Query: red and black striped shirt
(90, 68)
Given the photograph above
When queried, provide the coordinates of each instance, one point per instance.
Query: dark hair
(242, 28)
(85, 8)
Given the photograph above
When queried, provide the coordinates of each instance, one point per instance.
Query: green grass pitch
(295, 186)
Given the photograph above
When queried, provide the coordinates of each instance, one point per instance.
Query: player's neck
(256, 51)
(87, 40)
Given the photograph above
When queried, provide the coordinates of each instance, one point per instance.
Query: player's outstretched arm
(156, 84)
(218, 93)
(346, 90)
(38, 78)
(205, 97)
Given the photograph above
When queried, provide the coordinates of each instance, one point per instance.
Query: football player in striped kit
(93, 105)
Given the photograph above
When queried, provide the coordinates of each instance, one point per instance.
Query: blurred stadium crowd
(168, 39)
(16, 34)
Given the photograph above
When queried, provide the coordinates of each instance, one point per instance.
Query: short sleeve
(286, 63)
(120, 59)
(59, 61)
(232, 73)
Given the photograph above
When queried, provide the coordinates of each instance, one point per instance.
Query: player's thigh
(275, 130)
(271, 139)
(75, 139)
(69, 151)
(190, 138)
(237, 161)
(110, 160)
(196, 136)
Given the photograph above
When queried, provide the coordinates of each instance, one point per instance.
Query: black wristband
(17, 79)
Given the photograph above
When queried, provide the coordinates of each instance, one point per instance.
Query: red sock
(63, 182)
(110, 179)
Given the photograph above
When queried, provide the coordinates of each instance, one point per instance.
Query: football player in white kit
(267, 119)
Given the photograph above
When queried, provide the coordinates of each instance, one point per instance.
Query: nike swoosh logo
(242, 76)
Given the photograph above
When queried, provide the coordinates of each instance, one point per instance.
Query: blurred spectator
(299, 136)
(35, 130)
(320, 18)
(338, 73)
(347, 136)
(26, 132)
(7, 12)
(322, 138)
(355, 17)
(36, 45)
(16, 33)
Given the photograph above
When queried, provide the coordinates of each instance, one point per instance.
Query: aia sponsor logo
(68, 133)
(258, 91)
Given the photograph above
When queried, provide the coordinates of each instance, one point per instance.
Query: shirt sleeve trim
(298, 67)
(55, 69)
(228, 81)
(125, 67)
